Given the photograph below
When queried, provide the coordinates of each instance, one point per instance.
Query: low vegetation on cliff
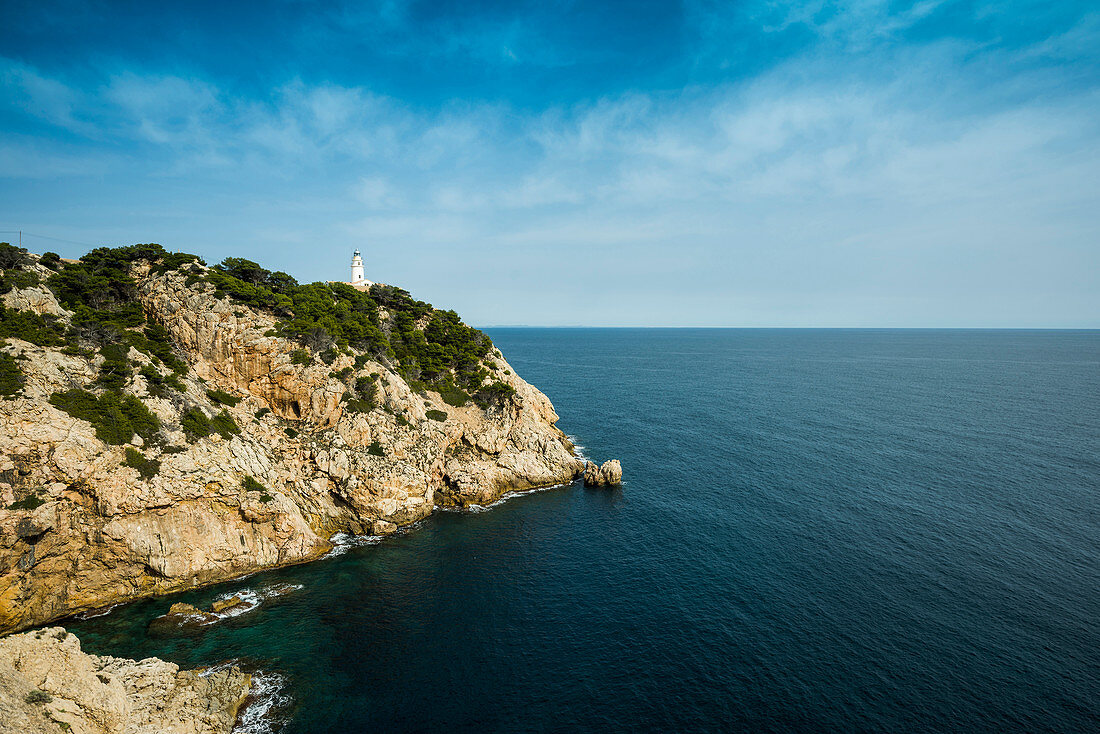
(431, 349)
(116, 416)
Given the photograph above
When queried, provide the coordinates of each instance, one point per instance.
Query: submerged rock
(183, 616)
(220, 605)
(47, 684)
(608, 475)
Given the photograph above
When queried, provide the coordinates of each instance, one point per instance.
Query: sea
(819, 531)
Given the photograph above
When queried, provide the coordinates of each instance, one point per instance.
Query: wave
(267, 704)
(265, 709)
(343, 542)
(100, 612)
(501, 500)
(577, 448)
(251, 599)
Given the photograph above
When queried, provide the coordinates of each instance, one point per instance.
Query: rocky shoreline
(209, 447)
(48, 684)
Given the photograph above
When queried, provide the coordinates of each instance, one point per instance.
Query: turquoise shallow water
(820, 530)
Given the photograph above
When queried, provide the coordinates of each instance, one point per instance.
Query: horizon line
(796, 328)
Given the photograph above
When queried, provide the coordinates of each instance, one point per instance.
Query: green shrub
(175, 261)
(367, 396)
(300, 356)
(50, 260)
(44, 331)
(224, 424)
(115, 371)
(101, 294)
(265, 498)
(452, 394)
(11, 377)
(222, 398)
(195, 424)
(158, 384)
(157, 341)
(375, 449)
(436, 415)
(498, 393)
(12, 256)
(262, 412)
(30, 502)
(290, 432)
(251, 485)
(251, 273)
(342, 375)
(357, 405)
(99, 286)
(147, 468)
(115, 416)
(37, 696)
(74, 351)
(18, 279)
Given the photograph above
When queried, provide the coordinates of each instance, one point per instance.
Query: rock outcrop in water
(608, 475)
(47, 685)
(284, 463)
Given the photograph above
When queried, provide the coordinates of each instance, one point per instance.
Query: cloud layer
(829, 165)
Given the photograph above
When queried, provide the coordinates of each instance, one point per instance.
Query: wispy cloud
(879, 162)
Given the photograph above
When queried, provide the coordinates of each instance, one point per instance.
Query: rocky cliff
(249, 453)
(47, 685)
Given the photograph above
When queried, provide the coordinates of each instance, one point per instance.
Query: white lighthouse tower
(357, 269)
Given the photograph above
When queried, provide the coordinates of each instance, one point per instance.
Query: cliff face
(47, 684)
(84, 530)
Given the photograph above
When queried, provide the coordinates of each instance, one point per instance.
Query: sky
(696, 163)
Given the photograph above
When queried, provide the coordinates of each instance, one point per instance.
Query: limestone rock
(608, 475)
(38, 299)
(89, 694)
(383, 527)
(99, 533)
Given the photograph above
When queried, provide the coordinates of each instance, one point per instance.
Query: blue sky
(855, 163)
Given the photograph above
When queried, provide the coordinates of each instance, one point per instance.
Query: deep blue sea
(820, 530)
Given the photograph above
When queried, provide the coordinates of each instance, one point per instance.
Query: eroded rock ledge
(84, 530)
(47, 685)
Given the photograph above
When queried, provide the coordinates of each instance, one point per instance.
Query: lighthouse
(357, 269)
(358, 277)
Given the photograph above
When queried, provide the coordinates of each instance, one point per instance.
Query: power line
(46, 237)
